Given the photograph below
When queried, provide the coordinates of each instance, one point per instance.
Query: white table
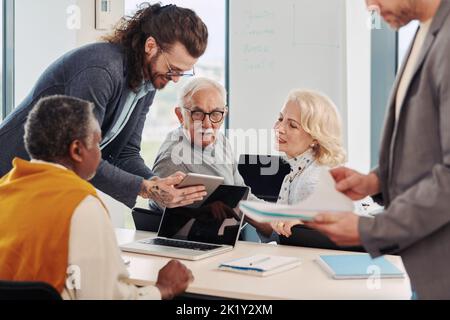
(308, 281)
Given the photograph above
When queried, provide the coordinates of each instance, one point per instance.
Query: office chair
(146, 220)
(264, 174)
(15, 290)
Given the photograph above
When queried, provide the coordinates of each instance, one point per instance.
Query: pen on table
(259, 261)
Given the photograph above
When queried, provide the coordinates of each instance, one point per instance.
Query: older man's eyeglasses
(175, 73)
(214, 117)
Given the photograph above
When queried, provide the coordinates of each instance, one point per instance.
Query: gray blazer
(97, 73)
(414, 171)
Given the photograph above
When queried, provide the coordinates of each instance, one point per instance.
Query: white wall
(273, 51)
(276, 47)
(88, 33)
(358, 85)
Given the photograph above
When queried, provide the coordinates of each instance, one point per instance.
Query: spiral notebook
(261, 265)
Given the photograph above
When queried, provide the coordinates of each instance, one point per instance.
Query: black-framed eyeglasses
(214, 117)
(172, 73)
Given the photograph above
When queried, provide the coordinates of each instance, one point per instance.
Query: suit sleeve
(117, 183)
(122, 182)
(422, 209)
(93, 84)
(378, 198)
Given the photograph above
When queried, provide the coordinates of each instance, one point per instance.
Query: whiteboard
(277, 46)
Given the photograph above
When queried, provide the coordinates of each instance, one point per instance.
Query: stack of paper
(324, 199)
(261, 265)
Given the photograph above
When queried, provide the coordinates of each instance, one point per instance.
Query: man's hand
(355, 185)
(341, 228)
(284, 227)
(263, 227)
(173, 279)
(163, 191)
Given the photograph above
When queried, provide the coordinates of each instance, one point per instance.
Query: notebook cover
(359, 266)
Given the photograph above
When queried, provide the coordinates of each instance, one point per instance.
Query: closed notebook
(261, 265)
(358, 266)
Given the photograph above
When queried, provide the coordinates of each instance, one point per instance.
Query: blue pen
(259, 261)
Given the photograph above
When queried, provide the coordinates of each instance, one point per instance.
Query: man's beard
(200, 133)
(154, 76)
(406, 14)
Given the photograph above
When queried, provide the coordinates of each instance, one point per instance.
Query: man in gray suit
(120, 77)
(414, 166)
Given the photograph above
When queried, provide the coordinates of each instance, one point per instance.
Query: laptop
(197, 233)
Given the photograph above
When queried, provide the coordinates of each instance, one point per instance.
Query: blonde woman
(309, 132)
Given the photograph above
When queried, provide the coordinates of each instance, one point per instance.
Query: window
(7, 57)
(39, 40)
(2, 108)
(161, 118)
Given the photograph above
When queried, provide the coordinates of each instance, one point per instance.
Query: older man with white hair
(198, 145)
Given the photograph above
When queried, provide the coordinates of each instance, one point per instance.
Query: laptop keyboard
(180, 244)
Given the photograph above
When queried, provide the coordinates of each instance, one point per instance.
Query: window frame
(384, 67)
(7, 97)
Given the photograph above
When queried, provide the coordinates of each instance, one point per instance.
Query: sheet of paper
(325, 198)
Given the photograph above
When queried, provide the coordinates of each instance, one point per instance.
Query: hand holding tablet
(194, 179)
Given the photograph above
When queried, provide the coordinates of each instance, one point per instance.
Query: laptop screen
(217, 221)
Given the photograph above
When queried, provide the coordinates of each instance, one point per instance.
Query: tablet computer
(195, 179)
